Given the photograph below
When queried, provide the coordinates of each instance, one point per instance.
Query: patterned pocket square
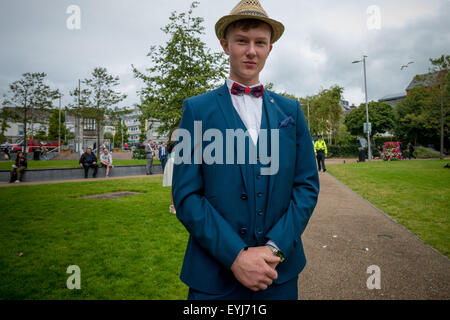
(286, 122)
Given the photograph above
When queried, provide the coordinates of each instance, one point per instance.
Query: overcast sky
(321, 39)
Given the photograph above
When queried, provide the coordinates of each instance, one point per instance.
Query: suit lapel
(274, 115)
(227, 108)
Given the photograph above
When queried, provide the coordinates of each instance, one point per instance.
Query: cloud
(321, 40)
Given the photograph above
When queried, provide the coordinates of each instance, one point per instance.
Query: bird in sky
(406, 65)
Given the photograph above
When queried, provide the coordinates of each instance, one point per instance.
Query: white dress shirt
(249, 109)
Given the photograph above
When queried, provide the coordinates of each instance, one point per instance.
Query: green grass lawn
(126, 248)
(39, 164)
(415, 193)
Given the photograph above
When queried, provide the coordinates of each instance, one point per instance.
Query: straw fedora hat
(249, 9)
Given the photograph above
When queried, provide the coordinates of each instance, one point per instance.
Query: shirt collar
(230, 84)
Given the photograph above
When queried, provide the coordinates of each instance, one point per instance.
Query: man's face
(105, 151)
(88, 151)
(248, 51)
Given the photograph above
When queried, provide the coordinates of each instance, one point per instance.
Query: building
(425, 80)
(393, 99)
(345, 106)
(15, 132)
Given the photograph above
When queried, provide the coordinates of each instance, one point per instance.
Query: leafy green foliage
(325, 112)
(182, 68)
(381, 116)
(29, 97)
(97, 99)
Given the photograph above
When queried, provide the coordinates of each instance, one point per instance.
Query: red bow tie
(239, 90)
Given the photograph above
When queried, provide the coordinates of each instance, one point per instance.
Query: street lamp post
(368, 127)
(59, 126)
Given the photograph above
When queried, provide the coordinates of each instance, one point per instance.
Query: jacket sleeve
(288, 229)
(204, 223)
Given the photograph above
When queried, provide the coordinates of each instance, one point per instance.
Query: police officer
(320, 148)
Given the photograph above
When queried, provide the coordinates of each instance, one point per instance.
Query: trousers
(284, 291)
(321, 160)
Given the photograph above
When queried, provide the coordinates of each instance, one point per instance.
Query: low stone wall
(51, 174)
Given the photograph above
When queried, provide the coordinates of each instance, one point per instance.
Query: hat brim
(225, 21)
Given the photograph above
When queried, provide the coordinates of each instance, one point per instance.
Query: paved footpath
(342, 226)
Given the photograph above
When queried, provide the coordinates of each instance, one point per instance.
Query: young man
(244, 222)
(162, 155)
(320, 148)
(89, 160)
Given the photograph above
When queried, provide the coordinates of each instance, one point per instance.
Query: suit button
(243, 231)
(259, 194)
(259, 231)
(258, 176)
(244, 196)
(260, 212)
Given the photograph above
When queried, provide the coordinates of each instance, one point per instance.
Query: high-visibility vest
(320, 146)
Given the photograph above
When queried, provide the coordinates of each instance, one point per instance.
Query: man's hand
(255, 268)
(94, 162)
(81, 165)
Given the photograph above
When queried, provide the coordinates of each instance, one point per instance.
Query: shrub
(347, 150)
(139, 154)
(424, 153)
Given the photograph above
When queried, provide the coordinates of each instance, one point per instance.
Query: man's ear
(224, 44)
(270, 48)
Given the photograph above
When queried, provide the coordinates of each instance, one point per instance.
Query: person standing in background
(149, 154)
(162, 154)
(168, 172)
(320, 148)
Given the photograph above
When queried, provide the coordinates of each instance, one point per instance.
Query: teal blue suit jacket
(213, 201)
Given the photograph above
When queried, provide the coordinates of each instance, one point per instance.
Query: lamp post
(368, 127)
(59, 125)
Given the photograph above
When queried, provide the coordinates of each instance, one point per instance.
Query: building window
(20, 129)
(89, 124)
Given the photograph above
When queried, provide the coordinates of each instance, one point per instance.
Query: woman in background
(168, 171)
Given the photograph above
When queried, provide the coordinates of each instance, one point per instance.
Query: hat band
(253, 13)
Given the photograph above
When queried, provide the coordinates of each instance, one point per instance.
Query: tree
(440, 93)
(54, 125)
(5, 115)
(381, 116)
(27, 97)
(182, 68)
(411, 123)
(97, 99)
(118, 134)
(325, 112)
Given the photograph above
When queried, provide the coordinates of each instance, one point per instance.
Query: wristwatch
(276, 252)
